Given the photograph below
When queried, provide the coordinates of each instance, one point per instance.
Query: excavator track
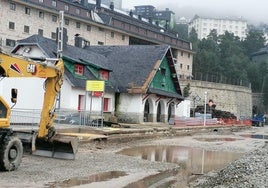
(11, 150)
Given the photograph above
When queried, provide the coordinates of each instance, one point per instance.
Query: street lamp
(205, 108)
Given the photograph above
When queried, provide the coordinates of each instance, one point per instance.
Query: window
(11, 25)
(104, 75)
(79, 69)
(100, 43)
(26, 29)
(88, 28)
(77, 11)
(163, 71)
(181, 53)
(66, 7)
(27, 10)
(81, 102)
(106, 102)
(78, 25)
(54, 18)
(188, 67)
(54, 3)
(112, 34)
(181, 65)
(101, 29)
(41, 14)
(88, 14)
(66, 21)
(123, 37)
(189, 55)
(40, 32)
(10, 42)
(53, 35)
(12, 6)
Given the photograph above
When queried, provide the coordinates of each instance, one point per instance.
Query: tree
(193, 38)
(186, 90)
(182, 30)
(254, 41)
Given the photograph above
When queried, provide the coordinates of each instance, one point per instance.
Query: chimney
(78, 41)
(167, 25)
(98, 4)
(112, 6)
(139, 16)
(150, 20)
(131, 13)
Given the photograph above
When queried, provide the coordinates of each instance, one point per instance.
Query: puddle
(257, 136)
(216, 139)
(166, 178)
(88, 179)
(192, 161)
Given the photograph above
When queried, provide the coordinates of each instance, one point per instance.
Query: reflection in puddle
(216, 139)
(89, 179)
(192, 161)
(167, 179)
(258, 136)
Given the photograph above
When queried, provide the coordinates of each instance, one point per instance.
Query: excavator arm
(45, 142)
(50, 69)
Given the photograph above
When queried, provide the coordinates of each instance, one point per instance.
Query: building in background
(116, 3)
(93, 23)
(164, 18)
(203, 26)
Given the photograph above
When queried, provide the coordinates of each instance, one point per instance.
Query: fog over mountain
(253, 11)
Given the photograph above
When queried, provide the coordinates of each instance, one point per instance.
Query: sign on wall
(94, 85)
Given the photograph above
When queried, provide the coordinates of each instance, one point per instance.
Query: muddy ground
(98, 164)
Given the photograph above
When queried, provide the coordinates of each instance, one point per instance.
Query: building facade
(140, 86)
(203, 26)
(95, 24)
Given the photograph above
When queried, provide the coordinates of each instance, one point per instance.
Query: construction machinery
(44, 141)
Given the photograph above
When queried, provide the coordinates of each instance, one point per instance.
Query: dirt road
(99, 165)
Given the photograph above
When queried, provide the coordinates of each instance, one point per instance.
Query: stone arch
(171, 111)
(148, 111)
(160, 111)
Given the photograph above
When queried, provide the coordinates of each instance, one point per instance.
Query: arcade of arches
(158, 110)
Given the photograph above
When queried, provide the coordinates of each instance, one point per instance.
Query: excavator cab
(14, 94)
(4, 113)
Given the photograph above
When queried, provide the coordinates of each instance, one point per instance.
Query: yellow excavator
(44, 141)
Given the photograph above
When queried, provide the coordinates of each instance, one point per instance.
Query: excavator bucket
(61, 147)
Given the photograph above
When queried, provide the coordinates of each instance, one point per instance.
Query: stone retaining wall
(235, 99)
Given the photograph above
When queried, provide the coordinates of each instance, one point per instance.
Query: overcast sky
(251, 10)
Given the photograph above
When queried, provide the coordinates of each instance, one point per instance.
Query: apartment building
(116, 3)
(165, 18)
(95, 24)
(203, 26)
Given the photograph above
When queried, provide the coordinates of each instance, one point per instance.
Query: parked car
(258, 120)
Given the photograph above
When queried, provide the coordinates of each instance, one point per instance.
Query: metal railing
(71, 117)
(219, 78)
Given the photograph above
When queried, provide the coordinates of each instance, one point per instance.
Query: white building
(203, 26)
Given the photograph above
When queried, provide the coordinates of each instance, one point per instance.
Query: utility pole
(205, 109)
(60, 34)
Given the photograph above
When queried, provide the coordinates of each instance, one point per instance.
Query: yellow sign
(93, 85)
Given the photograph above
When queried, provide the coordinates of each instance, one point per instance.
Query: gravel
(249, 171)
